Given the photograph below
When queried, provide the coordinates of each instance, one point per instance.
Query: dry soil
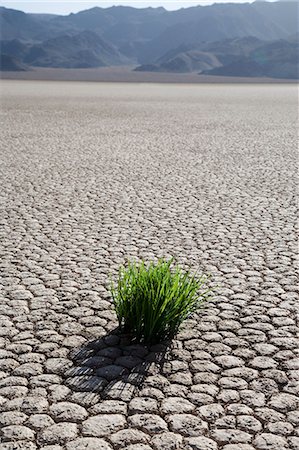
(95, 173)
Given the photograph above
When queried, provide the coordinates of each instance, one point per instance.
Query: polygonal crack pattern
(94, 174)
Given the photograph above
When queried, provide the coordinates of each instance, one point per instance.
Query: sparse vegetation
(152, 301)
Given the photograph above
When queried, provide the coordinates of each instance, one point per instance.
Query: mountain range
(251, 39)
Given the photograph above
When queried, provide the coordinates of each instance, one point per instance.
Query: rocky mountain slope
(85, 49)
(250, 57)
(196, 39)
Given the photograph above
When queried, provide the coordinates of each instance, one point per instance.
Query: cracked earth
(93, 174)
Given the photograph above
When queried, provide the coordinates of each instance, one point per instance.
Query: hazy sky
(68, 6)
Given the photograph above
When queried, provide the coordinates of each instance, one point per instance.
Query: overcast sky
(68, 6)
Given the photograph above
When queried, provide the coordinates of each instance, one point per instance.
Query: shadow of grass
(114, 366)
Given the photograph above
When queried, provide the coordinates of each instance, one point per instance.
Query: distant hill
(15, 48)
(204, 57)
(8, 63)
(183, 62)
(241, 57)
(266, 21)
(85, 49)
(19, 25)
(196, 39)
(278, 59)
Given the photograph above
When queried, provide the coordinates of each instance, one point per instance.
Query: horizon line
(156, 4)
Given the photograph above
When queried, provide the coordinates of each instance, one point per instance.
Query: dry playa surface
(93, 174)
(127, 74)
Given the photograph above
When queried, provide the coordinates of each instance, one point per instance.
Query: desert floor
(95, 173)
(127, 74)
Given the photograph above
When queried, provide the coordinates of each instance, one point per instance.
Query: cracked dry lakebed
(95, 173)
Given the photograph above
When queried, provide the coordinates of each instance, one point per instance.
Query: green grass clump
(151, 301)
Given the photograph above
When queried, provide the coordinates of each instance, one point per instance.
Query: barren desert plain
(93, 174)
